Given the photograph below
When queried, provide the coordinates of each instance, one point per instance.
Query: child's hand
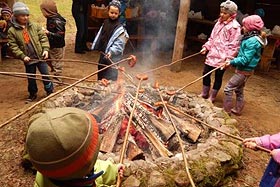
(108, 55)
(121, 168)
(45, 54)
(250, 143)
(203, 51)
(275, 153)
(26, 59)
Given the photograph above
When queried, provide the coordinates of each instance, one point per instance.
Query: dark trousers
(81, 20)
(109, 73)
(32, 85)
(218, 77)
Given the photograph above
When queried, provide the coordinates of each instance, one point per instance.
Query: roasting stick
(211, 127)
(62, 90)
(178, 137)
(68, 60)
(196, 80)
(167, 65)
(53, 76)
(123, 150)
(58, 82)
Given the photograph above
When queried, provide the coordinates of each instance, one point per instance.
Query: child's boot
(238, 108)
(213, 95)
(227, 105)
(205, 92)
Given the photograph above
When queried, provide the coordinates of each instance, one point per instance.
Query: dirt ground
(261, 113)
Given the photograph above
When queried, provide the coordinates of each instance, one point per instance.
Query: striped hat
(20, 8)
(6, 10)
(63, 143)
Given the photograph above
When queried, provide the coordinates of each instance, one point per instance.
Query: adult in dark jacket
(56, 34)
(80, 14)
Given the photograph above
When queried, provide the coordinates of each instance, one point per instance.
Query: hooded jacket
(56, 28)
(249, 53)
(38, 39)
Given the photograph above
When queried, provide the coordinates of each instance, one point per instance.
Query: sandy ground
(261, 113)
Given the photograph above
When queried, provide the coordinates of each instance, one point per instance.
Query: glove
(275, 153)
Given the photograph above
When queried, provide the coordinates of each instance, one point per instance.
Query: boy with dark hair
(56, 34)
(29, 43)
(5, 24)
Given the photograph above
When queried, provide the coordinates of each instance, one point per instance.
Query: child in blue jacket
(110, 40)
(248, 57)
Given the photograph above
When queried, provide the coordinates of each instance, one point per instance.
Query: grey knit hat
(229, 7)
(115, 3)
(20, 8)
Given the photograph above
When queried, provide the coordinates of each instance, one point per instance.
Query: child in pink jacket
(271, 176)
(223, 44)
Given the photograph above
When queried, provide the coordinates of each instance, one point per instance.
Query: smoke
(159, 20)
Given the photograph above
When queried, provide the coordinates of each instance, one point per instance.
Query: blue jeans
(32, 85)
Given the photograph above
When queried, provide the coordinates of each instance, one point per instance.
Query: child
(28, 41)
(271, 176)
(64, 158)
(111, 40)
(56, 34)
(223, 44)
(6, 15)
(248, 57)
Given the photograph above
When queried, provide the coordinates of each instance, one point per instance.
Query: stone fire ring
(211, 163)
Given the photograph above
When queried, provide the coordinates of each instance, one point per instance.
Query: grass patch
(64, 8)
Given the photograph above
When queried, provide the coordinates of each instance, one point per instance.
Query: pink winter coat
(270, 142)
(223, 42)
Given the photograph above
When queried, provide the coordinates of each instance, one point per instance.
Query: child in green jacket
(29, 43)
(63, 145)
(248, 57)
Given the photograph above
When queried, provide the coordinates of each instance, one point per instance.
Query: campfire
(152, 136)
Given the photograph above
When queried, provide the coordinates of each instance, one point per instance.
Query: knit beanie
(20, 8)
(48, 8)
(229, 7)
(63, 143)
(253, 22)
(115, 3)
(6, 10)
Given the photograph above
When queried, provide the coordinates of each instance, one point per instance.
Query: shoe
(238, 108)
(31, 98)
(86, 49)
(205, 92)
(213, 95)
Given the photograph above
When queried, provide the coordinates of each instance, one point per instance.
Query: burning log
(186, 128)
(164, 127)
(111, 134)
(134, 152)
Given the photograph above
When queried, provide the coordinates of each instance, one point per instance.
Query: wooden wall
(9, 2)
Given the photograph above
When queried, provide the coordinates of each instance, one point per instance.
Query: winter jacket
(271, 177)
(56, 28)
(38, 38)
(116, 43)
(249, 53)
(223, 43)
(108, 178)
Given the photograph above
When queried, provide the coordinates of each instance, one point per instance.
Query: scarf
(107, 31)
(250, 34)
(25, 35)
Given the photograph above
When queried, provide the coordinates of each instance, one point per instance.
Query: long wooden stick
(54, 81)
(123, 150)
(196, 80)
(214, 128)
(53, 76)
(179, 139)
(60, 91)
(68, 60)
(172, 63)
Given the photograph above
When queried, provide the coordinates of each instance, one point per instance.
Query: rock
(156, 179)
(231, 122)
(181, 179)
(219, 155)
(131, 181)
